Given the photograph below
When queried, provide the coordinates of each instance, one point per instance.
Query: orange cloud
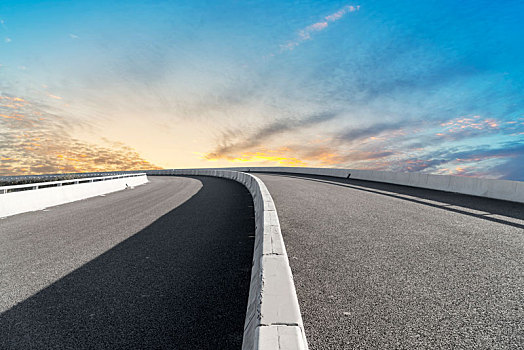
(31, 144)
(265, 157)
(10, 116)
(13, 99)
(277, 156)
(467, 124)
(314, 155)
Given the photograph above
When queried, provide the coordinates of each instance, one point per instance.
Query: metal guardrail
(10, 180)
(40, 185)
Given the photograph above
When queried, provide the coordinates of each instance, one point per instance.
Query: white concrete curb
(273, 319)
(38, 196)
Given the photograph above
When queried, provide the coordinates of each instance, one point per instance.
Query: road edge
(273, 319)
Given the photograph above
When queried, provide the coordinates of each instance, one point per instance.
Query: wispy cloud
(305, 34)
(374, 130)
(405, 146)
(302, 155)
(466, 127)
(55, 97)
(504, 161)
(33, 141)
(407, 103)
(466, 146)
(228, 149)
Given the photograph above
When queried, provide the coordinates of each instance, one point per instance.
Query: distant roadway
(165, 265)
(380, 266)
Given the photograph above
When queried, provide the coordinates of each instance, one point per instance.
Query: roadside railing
(40, 185)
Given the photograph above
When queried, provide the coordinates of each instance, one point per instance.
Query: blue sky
(432, 86)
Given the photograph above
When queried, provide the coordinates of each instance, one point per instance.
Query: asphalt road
(380, 266)
(163, 266)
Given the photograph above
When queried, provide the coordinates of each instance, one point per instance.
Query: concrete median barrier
(489, 188)
(273, 320)
(37, 196)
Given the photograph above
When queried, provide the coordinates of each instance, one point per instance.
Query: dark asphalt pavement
(380, 266)
(163, 266)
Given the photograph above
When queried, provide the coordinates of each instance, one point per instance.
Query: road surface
(165, 265)
(380, 266)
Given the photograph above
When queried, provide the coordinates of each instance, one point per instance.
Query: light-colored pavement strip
(383, 266)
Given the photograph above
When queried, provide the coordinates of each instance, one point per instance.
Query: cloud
(303, 155)
(268, 156)
(73, 36)
(403, 146)
(374, 130)
(55, 97)
(408, 134)
(395, 86)
(305, 34)
(468, 126)
(434, 147)
(492, 161)
(8, 40)
(332, 156)
(229, 149)
(33, 141)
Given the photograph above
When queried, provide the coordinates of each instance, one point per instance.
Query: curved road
(163, 266)
(167, 265)
(380, 266)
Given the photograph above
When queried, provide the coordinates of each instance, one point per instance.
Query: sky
(426, 86)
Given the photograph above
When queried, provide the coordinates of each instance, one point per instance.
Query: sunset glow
(418, 86)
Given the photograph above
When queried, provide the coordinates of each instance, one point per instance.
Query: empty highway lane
(165, 265)
(380, 266)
